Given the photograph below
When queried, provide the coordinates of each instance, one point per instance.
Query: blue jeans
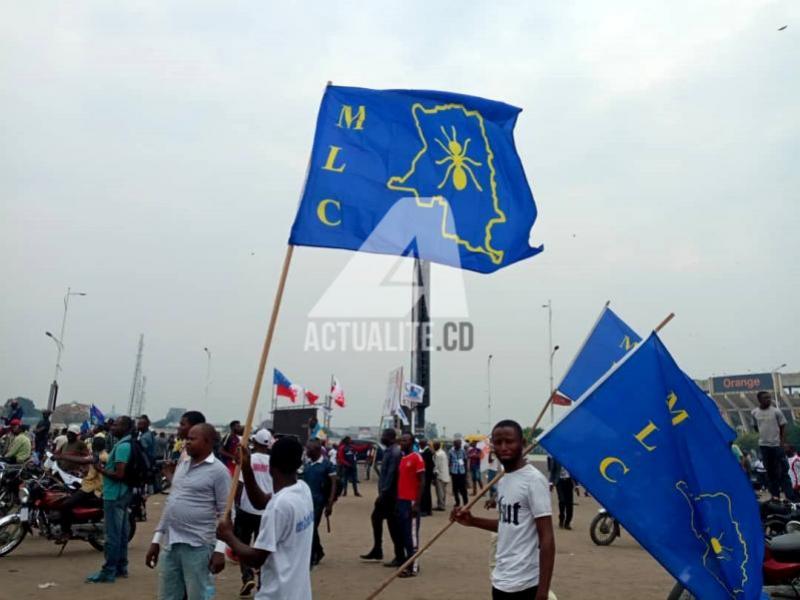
(409, 527)
(117, 531)
(184, 570)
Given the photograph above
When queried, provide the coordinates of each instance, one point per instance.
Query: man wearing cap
(73, 448)
(252, 494)
(19, 450)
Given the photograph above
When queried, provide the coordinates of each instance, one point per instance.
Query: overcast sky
(152, 155)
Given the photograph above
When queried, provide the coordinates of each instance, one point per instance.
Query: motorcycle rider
(90, 494)
(19, 448)
(72, 450)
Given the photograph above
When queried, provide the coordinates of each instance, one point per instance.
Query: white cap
(74, 428)
(263, 437)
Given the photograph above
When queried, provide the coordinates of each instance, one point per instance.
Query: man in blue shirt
(116, 497)
(320, 476)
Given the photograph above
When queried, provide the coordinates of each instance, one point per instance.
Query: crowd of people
(283, 491)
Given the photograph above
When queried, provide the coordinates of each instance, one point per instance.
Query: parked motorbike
(781, 569)
(11, 477)
(779, 517)
(40, 501)
(604, 528)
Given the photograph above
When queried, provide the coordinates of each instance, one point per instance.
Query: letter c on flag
(322, 214)
(607, 462)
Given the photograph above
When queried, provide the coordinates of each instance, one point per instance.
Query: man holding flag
(525, 540)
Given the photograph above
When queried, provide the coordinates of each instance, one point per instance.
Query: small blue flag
(427, 174)
(644, 441)
(85, 427)
(609, 341)
(96, 416)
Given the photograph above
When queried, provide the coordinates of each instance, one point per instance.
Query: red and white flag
(337, 394)
(311, 397)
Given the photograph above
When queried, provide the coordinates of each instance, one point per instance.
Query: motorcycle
(780, 517)
(40, 501)
(604, 528)
(781, 569)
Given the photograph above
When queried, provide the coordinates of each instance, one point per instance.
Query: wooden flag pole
(480, 494)
(262, 365)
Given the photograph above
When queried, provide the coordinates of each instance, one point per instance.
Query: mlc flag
(450, 156)
(645, 441)
(609, 341)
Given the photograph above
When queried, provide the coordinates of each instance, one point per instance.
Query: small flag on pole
(412, 394)
(608, 342)
(284, 387)
(337, 394)
(311, 397)
(96, 416)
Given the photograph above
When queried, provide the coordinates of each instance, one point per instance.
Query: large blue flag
(609, 341)
(644, 441)
(428, 174)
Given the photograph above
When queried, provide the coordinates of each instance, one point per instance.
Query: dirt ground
(456, 566)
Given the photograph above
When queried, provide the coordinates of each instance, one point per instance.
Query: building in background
(736, 395)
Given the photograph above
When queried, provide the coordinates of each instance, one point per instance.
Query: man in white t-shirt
(283, 547)
(525, 541)
(249, 512)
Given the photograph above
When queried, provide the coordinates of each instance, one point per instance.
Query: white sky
(147, 149)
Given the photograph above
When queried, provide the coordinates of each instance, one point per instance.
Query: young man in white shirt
(283, 547)
(249, 510)
(525, 541)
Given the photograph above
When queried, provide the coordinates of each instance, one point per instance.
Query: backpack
(138, 469)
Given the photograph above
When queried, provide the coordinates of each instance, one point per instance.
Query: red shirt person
(411, 474)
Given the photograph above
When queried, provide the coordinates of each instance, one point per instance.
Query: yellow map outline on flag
(495, 255)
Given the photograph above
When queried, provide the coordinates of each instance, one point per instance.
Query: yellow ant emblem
(459, 161)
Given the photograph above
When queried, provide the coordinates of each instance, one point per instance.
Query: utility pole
(489, 390)
(551, 351)
(137, 379)
(51, 401)
(208, 371)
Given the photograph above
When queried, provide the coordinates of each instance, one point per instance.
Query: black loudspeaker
(293, 421)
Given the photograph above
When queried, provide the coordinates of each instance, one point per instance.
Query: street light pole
(489, 389)
(208, 370)
(552, 350)
(51, 402)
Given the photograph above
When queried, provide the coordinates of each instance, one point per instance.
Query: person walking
(457, 458)
(560, 478)
(474, 456)
(255, 469)
(441, 472)
(198, 496)
(162, 446)
(525, 540)
(320, 476)
(116, 498)
(771, 425)
(426, 503)
(347, 461)
(385, 503)
(410, 481)
(283, 548)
